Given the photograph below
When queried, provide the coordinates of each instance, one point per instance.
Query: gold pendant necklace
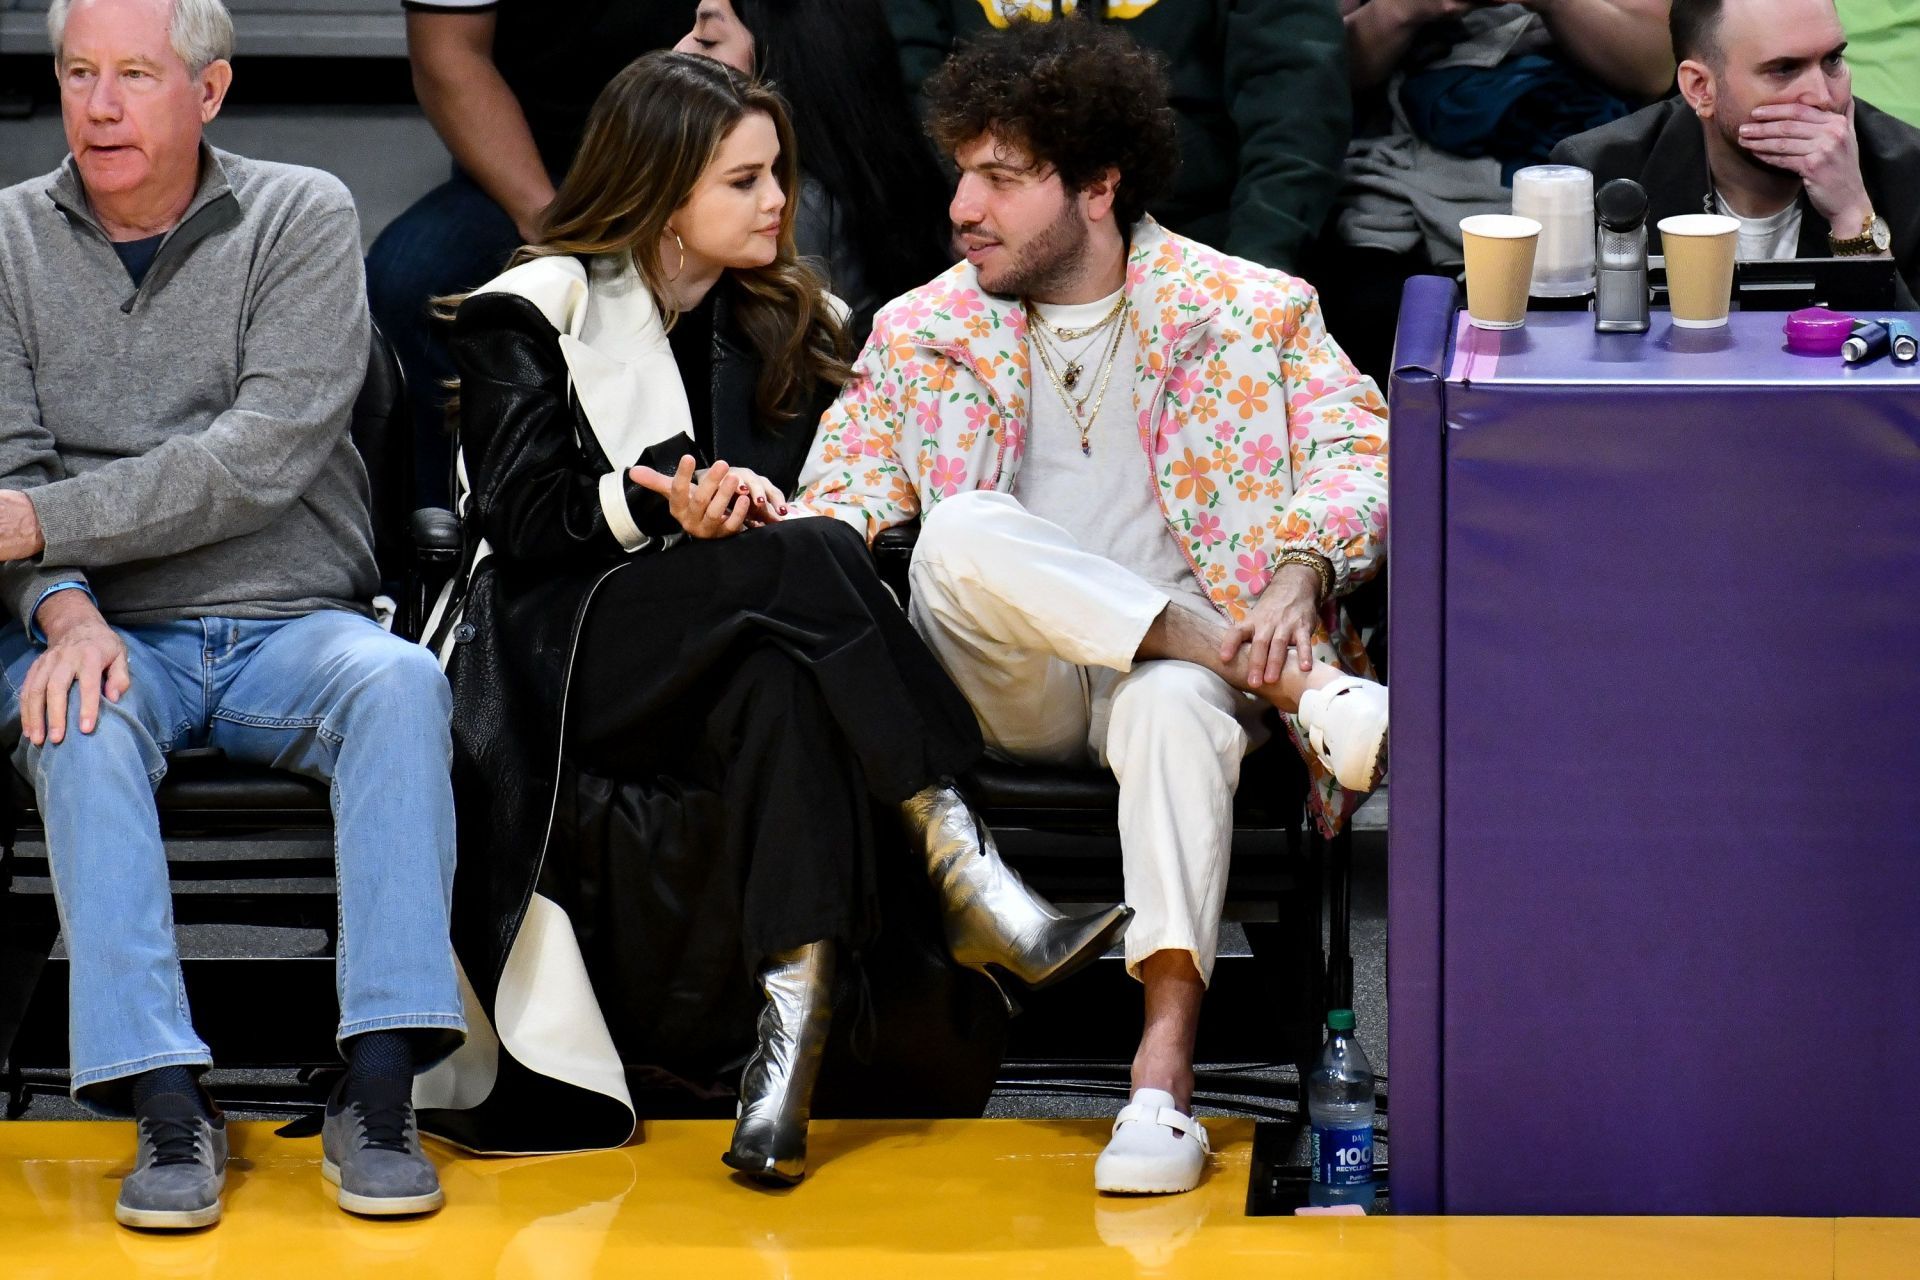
(1064, 383)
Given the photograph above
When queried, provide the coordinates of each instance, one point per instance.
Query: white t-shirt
(1106, 498)
(1764, 239)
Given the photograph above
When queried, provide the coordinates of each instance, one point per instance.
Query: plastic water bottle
(1340, 1106)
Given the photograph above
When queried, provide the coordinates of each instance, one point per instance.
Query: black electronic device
(1857, 285)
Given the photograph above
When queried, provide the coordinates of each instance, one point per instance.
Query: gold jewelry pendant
(1072, 375)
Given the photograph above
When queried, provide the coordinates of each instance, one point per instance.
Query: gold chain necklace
(1077, 407)
(1063, 335)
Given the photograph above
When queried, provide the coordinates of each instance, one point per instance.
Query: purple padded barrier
(1681, 905)
(1414, 603)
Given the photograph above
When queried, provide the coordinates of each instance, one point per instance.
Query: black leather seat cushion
(209, 783)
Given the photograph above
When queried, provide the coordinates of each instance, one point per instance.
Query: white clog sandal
(1156, 1148)
(1346, 724)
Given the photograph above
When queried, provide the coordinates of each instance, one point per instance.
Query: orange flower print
(1216, 572)
(871, 479)
(1295, 529)
(900, 491)
(1250, 396)
(979, 327)
(1191, 472)
(1222, 287)
(940, 377)
(1249, 488)
(1205, 407)
(1216, 372)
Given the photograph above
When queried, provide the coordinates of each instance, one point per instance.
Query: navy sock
(382, 1057)
(151, 1084)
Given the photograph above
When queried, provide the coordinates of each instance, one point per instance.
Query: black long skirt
(737, 710)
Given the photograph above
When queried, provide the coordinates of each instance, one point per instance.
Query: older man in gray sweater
(187, 561)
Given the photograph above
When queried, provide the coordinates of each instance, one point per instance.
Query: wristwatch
(1874, 237)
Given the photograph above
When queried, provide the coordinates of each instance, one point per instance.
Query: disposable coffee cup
(1499, 248)
(1699, 248)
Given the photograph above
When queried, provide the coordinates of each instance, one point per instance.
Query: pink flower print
(1136, 275)
(947, 476)
(1207, 529)
(1345, 522)
(1305, 393)
(1183, 384)
(915, 311)
(1334, 484)
(977, 415)
(1378, 518)
(1192, 298)
(1223, 431)
(1261, 455)
(1254, 572)
(926, 416)
(1017, 325)
(962, 305)
(853, 440)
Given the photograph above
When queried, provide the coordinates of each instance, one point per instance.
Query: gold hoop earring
(681, 245)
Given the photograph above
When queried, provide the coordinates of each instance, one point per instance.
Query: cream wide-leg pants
(1040, 634)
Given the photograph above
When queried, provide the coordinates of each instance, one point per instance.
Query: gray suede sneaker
(180, 1169)
(370, 1150)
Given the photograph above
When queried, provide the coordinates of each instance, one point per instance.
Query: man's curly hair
(1081, 96)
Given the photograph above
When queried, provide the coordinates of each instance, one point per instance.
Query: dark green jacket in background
(1260, 88)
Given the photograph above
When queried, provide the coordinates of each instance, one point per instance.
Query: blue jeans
(452, 239)
(328, 695)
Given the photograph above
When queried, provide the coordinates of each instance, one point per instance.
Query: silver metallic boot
(992, 918)
(776, 1089)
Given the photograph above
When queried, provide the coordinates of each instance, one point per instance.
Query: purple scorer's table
(1654, 890)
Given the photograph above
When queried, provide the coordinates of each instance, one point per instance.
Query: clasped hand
(718, 504)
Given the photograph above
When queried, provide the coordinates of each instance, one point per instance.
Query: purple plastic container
(1816, 331)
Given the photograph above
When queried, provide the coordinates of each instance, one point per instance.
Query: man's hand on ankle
(1283, 618)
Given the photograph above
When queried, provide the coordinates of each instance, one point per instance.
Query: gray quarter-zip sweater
(185, 443)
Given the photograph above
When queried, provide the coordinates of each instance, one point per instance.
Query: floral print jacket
(1260, 434)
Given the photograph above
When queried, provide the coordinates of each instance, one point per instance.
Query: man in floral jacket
(1144, 475)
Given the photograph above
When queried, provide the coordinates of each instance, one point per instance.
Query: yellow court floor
(989, 1198)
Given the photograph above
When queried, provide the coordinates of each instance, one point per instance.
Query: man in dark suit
(1766, 129)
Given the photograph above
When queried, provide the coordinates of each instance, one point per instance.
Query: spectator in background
(1883, 48)
(1767, 130)
(507, 85)
(1455, 95)
(188, 560)
(1260, 99)
(873, 202)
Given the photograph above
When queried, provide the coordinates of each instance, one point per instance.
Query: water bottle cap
(1340, 1020)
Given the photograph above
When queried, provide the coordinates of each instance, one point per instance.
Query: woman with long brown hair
(676, 702)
